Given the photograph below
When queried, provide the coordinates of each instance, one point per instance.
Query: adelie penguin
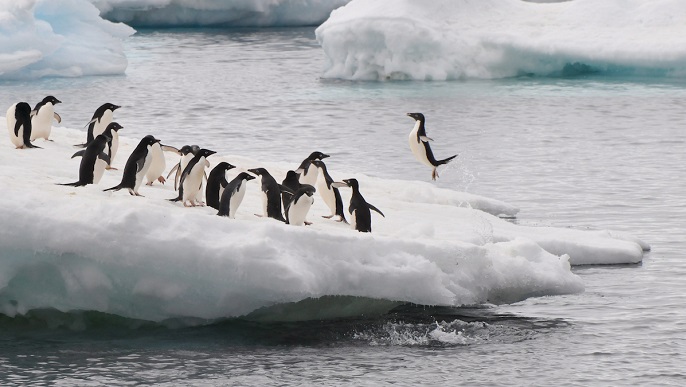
(360, 214)
(419, 145)
(101, 118)
(19, 125)
(136, 166)
(187, 152)
(110, 131)
(216, 183)
(42, 116)
(94, 159)
(292, 183)
(233, 195)
(308, 172)
(159, 163)
(330, 194)
(271, 194)
(299, 205)
(191, 179)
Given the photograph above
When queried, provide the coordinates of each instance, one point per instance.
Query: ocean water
(589, 151)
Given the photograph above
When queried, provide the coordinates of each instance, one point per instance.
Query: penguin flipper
(79, 153)
(286, 190)
(103, 156)
(425, 138)
(371, 207)
(168, 148)
(75, 184)
(57, 118)
(140, 163)
(115, 188)
(17, 125)
(177, 166)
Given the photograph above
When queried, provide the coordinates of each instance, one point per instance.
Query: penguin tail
(29, 145)
(75, 184)
(115, 188)
(80, 145)
(445, 161)
(176, 199)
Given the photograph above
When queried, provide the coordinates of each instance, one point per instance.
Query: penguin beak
(255, 171)
(229, 166)
(57, 101)
(210, 152)
(115, 107)
(324, 156)
(339, 184)
(249, 177)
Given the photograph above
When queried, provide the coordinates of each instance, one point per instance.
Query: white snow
(459, 39)
(145, 257)
(213, 13)
(68, 38)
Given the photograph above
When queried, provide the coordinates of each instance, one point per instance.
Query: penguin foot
(161, 180)
(148, 183)
(111, 168)
(434, 174)
(308, 223)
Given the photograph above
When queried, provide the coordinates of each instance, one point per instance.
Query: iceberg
(464, 39)
(214, 13)
(68, 38)
(71, 249)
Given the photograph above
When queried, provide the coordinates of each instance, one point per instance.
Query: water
(591, 152)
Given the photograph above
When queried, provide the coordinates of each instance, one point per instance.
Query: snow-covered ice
(145, 257)
(459, 39)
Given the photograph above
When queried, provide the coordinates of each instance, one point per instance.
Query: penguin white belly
(265, 201)
(143, 171)
(115, 146)
(311, 177)
(236, 200)
(298, 210)
(158, 163)
(417, 147)
(199, 195)
(11, 121)
(102, 124)
(41, 123)
(327, 195)
(98, 170)
(353, 220)
(193, 181)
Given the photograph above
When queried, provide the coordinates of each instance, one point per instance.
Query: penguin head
(352, 183)
(205, 153)
(51, 99)
(258, 171)
(307, 189)
(417, 116)
(114, 126)
(109, 106)
(316, 156)
(224, 166)
(292, 175)
(149, 140)
(319, 164)
(245, 176)
(103, 137)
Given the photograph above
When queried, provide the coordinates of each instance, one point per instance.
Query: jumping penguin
(359, 209)
(271, 194)
(19, 125)
(191, 179)
(136, 166)
(42, 116)
(93, 162)
(233, 195)
(419, 145)
(216, 183)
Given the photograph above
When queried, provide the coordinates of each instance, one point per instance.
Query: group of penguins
(294, 194)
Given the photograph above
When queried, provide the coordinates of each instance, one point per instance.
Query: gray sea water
(591, 151)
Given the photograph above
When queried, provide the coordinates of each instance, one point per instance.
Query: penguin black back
(215, 182)
(93, 152)
(360, 208)
(97, 115)
(22, 114)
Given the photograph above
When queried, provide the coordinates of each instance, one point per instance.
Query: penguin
(42, 116)
(191, 179)
(233, 195)
(271, 194)
(136, 166)
(93, 162)
(112, 128)
(308, 173)
(419, 145)
(299, 206)
(187, 153)
(19, 125)
(292, 183)
(101, 118)
(216, 183)
(159, 163)
(361, 217)
(330, 194)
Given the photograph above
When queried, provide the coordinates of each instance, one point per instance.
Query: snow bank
(458, 39)
(41, 38)
(213, 13)
(144, 257)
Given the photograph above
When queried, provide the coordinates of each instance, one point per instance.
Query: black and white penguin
(42, 116)
(419, 145)
(271, 194)
(19, 125)
(233, 195)
(330, 194)
(109, 132)
(308, 173)
(360, 214)
(292, 183)
(136, 166)
(94, 159)
(187, 153)
(101, 118)
(299, 205)
(191, 179)
(216, 183)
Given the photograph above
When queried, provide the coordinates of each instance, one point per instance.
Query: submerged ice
(84, 249)
(40, 38)
(459, 39)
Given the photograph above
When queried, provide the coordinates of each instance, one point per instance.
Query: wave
(463, 39)
(210, 13)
